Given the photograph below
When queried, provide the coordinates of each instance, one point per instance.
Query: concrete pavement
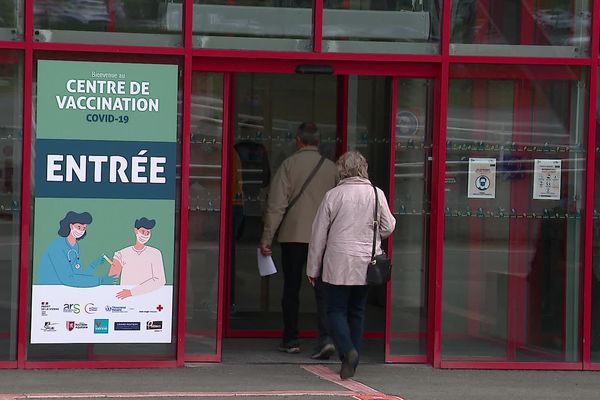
(258, 381)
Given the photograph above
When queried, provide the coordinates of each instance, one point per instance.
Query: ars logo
(70, 325)
(72, 308)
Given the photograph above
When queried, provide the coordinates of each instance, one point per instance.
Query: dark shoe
(349, 364)
(324, 352)
(290, 348)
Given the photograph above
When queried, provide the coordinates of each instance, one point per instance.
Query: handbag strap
(306, 182)
(375, 223)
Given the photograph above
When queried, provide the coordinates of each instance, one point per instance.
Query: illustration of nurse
(61, 262)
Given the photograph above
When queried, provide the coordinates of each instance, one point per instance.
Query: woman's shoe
(323, 353)
(349, 364)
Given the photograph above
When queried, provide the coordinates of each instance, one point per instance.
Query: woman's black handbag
(379, 269)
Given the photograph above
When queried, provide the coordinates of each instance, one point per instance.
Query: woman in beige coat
(340, 251)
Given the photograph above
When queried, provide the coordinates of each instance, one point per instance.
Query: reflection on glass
(269, 108)
(412, 176)
(369, 103)
(550, 23)
(381, 26)
(11, 19)
(204, 213)
(129, 22)
(253, 24)
(11, 123)
(512, 258)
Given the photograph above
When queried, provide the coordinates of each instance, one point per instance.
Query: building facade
(478, 118)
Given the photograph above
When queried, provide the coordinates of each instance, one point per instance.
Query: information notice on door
(546, 179)
(105, 188)
(482, 178)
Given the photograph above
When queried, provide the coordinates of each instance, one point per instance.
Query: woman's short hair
(351, 164)
(73, 217)
(308, 133)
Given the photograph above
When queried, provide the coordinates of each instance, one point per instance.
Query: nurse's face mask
(78, 230)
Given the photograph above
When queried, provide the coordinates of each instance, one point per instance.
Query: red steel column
(318, 26)
(22, 335)
(392, 195)
(342, 116)
(590, 189)
(436, 255)
(224, 232)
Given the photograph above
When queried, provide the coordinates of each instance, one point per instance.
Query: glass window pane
(513, 231)
(253, 24)
(381, 26)
(11, 20)
(553, 28)
(123, 22)
(204, 213)
(11, 139)
(412, 182)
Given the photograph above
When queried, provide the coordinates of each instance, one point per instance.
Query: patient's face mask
(141, 237)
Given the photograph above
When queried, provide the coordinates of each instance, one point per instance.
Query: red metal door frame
(415, 358)
(392, 187)
(591, 188)
(342, 69)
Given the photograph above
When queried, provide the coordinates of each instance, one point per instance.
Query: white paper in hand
(266, 266)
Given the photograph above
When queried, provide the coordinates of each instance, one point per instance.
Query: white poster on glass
(546, 179)
(482, 178)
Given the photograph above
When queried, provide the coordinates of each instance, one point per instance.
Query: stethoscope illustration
(77, 266)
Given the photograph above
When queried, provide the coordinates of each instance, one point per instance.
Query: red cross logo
(159, 308)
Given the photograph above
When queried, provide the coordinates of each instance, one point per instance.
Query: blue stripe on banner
(105, 169)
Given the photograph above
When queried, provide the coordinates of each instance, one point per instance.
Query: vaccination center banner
(105, 162)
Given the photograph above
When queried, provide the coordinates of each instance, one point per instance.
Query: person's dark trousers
(293, 259)
(321, 298)
(346, 315)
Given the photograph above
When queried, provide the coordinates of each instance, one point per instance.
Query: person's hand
(108, 280)
(312, 281)
(99, 260)
(115, 268)
(265, 249)
(96, 263)
(123, 294)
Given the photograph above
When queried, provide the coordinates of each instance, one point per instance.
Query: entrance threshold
(264, 351)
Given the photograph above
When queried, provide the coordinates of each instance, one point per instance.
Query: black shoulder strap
(306, 182)
(375, 222)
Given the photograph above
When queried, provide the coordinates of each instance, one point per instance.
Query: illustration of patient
(139, 265)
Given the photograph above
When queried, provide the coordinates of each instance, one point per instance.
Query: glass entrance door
(389, 119)
(268, 108)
